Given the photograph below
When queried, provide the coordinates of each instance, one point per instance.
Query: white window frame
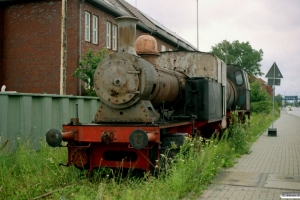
(95, 29)
(108, 35)
(87, 29)
(114, 37)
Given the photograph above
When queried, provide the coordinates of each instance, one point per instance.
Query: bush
(262, 107)
(88, 66)
(240, 134)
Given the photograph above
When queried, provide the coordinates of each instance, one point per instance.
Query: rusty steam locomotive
(149, 100)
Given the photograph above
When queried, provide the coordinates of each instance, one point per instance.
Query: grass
(31, 174)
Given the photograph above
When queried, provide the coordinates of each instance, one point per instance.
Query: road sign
(295, 98)
(271, 74)
(270, 81)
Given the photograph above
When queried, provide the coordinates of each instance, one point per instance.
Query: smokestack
(127, 34)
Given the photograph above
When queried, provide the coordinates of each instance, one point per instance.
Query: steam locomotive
(150, 100)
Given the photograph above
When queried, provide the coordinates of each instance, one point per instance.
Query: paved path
(273, 166)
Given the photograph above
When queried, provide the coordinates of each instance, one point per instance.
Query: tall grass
(31, 174)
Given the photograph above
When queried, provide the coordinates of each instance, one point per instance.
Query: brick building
(263, 84)
(30, 39)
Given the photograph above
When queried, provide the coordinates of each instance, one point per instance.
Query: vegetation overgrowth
(87, 67)
(31, 174)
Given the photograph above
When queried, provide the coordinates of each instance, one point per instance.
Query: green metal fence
(27, 117)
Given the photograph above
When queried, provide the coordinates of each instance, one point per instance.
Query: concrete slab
(249, 179)
(289, 185)
(288, 178)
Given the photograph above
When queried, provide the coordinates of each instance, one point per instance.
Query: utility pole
(197, 28)
(63, 52)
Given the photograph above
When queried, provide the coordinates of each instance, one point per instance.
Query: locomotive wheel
(80, 158)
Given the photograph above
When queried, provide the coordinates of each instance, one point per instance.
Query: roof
(146, 23)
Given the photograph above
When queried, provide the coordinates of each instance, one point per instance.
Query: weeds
(30, 174)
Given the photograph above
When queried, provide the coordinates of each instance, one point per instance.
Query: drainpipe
(80, 42)
(63, 52)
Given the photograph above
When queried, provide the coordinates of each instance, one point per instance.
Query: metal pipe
(127, 34)
(79, 41)
(151, 137)
(68, 135)
(63, 52)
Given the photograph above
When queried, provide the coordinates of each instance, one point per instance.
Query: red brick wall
(31, 40)
(1, 44)
(73, 42)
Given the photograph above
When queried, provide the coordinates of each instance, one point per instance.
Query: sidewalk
(273, 166)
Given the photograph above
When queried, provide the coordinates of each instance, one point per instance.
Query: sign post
(273, 76)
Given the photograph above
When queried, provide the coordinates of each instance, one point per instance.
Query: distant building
(266, 87)
(30, 39)
(263, 84)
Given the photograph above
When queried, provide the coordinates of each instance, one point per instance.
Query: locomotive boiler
(150, 100)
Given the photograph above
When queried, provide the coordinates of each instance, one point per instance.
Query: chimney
(127, 34)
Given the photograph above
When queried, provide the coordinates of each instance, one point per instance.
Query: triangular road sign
(270, 73)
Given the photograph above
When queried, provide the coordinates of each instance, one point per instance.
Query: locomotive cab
(239, 78)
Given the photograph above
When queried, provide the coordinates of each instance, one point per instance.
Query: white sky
(270, 25)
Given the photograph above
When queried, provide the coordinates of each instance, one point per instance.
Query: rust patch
(114, 93)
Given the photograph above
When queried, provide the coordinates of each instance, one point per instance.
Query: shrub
(262, 107)
(88, 66)
(240, 134)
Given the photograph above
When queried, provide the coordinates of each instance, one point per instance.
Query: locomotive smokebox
(127, 34)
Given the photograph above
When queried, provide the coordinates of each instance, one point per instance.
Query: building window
(95, 29)
(108, 35)
(114, 37)
(87, 26)
(163, 48)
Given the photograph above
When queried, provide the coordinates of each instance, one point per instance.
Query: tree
(257, 93)
(260, 99)
(278, 99)
(88, 66)
(240, 54)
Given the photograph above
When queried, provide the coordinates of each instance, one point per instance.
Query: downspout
(63, 49)
(79, 41)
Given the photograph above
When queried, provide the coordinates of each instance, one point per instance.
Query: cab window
(238, 78)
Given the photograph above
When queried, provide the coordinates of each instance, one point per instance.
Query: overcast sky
(270, 25)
